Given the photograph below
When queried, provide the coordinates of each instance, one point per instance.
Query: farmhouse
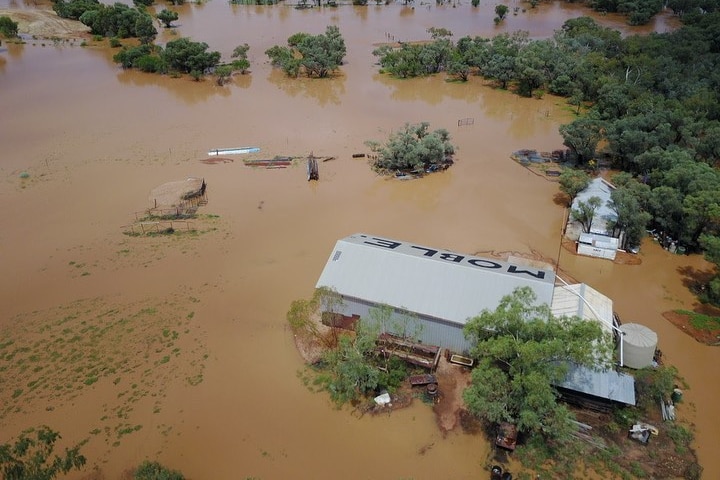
(434, 292)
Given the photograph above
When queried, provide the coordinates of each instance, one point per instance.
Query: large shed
(436, 290)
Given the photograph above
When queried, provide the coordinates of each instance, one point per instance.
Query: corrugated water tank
(639, 344)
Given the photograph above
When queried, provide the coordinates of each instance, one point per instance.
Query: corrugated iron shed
(583, 301)
(607, 384)
(598, 187)
(437, 283)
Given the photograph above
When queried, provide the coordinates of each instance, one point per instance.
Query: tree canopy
(414, 147)
(314, 55)
(32, 456)
(521, 351)
(8, 28)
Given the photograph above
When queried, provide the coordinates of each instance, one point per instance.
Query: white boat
(233, 151)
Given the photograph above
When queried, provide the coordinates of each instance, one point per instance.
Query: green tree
(573, 181)
(500, 12)
(167, 17)
(582, 137)
(351, 373)
(144, 29)
(75, 8)
(285, 58)
(155, 471)
(186, 56)
(585, 212)
(223, 74)
(8, 28)
(632, 220)
(521, 351)
(31, 457)
(322, 54)
(241, 62)
(414, 147)
(315, 55)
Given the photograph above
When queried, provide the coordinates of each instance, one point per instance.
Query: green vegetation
(167, 17)
(314, 55)
(650, 110)
(500, 13)
(585, 213)
(119, 20)
(573, 182)
(521, 351)
(701, 321)
(8, 28)
(638, 12)
(32, 456)
(349, 367)
(414, 148)
(155, 471)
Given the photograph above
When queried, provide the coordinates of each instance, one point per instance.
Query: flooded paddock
(227, 403)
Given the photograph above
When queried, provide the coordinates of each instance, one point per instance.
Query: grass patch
(700, 321)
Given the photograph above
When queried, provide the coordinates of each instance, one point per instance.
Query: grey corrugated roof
(432, 282)
(601, 188)
(608, 384)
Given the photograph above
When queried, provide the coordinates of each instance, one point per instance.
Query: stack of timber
(426, 356)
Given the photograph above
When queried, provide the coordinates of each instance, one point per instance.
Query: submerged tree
(521, 351)
(167, 17)
(414, 147)
(315, 55)
(350, 370)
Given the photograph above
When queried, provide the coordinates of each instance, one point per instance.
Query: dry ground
(44, 23)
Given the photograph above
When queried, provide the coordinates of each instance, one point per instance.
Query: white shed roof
(434, 282)
(598, 187)
(585, 302)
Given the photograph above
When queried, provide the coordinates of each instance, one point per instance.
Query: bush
(8, 28)
(155, 471)
(414, 148)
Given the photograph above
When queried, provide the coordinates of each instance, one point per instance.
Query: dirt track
(43, 23)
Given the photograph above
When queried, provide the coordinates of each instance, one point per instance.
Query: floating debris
(276, 162)
(233, 151)
(215, 161)
(312, 168)
(526, 156)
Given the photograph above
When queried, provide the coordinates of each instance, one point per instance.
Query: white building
(598, 242)
(434, 292)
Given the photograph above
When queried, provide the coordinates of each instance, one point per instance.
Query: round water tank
(639, 344)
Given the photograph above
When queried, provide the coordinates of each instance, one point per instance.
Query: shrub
(155, 471)
(8, 28)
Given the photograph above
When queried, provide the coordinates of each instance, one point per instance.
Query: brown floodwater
(95, 140)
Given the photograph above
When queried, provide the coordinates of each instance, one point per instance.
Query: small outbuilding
(595, 245)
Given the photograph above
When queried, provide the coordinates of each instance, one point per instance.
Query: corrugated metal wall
(429, 331)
